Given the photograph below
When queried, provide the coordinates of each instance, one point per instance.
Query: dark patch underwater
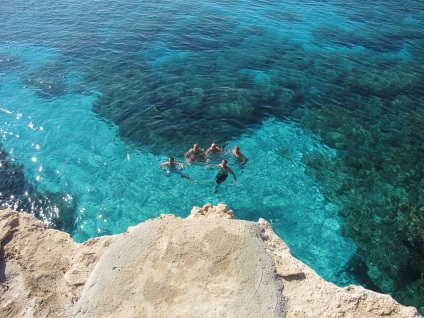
(55, 209)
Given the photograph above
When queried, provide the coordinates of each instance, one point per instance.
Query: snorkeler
(171, 164)
(240, 158)
(223, 174)
(194, 154)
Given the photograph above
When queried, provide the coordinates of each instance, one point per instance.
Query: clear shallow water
(93, 97)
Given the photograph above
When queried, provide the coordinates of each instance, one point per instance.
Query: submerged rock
(207, 265)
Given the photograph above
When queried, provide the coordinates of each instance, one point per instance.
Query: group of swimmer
(197, 154)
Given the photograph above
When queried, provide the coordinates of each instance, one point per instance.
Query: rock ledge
(207, 265)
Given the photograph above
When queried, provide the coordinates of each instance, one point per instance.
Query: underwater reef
(376, 179)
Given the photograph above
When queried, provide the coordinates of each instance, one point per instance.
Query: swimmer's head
(171, 159)
(224, 161)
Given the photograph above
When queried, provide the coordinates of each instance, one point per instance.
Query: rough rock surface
(207, 265)
(42, 272)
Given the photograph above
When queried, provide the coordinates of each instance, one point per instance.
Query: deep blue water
(324, 97)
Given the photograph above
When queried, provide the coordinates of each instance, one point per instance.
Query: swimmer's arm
(233, 174)
(209, 166)
(180, 163)
(163, 164)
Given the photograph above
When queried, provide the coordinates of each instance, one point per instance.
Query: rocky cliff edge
(207, 265)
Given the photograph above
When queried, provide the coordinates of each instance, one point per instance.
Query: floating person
(240, 158)
(174, 166)
(194, 154)
(213, 151)
(222, 175)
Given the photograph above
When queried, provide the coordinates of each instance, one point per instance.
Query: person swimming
(194, 154)
(222, 175)
(213, 152)
(171, 164)
(240, 158)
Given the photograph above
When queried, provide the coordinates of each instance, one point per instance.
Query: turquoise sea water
(324, 97)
